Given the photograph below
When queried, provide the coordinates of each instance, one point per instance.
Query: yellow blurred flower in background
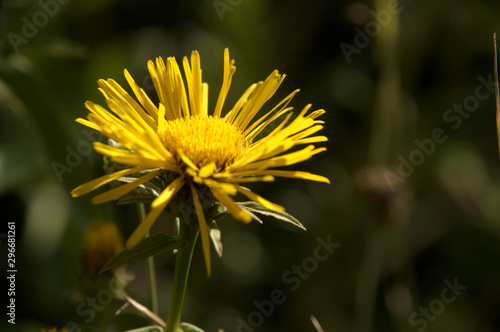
(102, 241)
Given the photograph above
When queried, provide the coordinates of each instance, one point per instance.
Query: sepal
(254, 207)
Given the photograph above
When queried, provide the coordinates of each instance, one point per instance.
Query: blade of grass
(496, 90)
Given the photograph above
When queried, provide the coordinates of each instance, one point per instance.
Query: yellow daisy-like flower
(101, 241)
(179, 137)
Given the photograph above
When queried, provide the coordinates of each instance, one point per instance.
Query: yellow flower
(102, 241)
(197, 149)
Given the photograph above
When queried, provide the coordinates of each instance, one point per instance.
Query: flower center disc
(204, 139)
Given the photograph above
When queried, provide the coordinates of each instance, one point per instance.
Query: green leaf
(254, 207)
(177, 226)
(254, 216)
(215, 236)
(186, 327)
(218, 211)
(149, 187)
(152, 328)
(136, 199)
(150, 246)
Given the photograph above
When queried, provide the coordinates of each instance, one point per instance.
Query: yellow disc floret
(204, 140)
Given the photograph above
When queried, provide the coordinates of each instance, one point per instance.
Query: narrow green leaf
(215, 236)
(177, 226)
(254, 216)
(495, 73)
(150, 246)
(258, 208)
(218, 211)
(136, 199)
(149, 186)
(186, 327)
(152, 328)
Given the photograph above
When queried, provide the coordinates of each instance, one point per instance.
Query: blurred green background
(412, 156)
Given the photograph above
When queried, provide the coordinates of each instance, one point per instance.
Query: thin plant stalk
(497, 98)
(182, 265)
(385, 137)
(150, 270)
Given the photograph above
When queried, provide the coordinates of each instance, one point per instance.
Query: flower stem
(150, 270)
(182, 265)
(152, 293)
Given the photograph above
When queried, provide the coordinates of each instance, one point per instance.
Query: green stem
(150, 270)
(152, 293)
(182, 265)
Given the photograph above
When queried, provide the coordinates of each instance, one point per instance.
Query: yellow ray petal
(197, 82)
(298, 125)
(284, 174)
(231, 115)
(162, 122)
(155, 77)
(96, 183)
(310, 140)
(207, 170)
(261, 200)
(137, 160)
(193, 79)
(88, 123)
(226, 188)
(186, 160)
(128, 106)
(278, 135)
(142, 96)
(305, 133)
(257, 100)
(174, 88)
(100, 111)
(229, 70)
(266, 151)
(205, 241)
(284, 160)
(144, 227)
(253, 134)
(118, 192)
(234, 209)
(315, 114)
(251, 178)
(157, 207)
(178, 90)
(284, 103)
(204, 99)
(167, 82)
(169, 192)
(128, 133)
(127, 157)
